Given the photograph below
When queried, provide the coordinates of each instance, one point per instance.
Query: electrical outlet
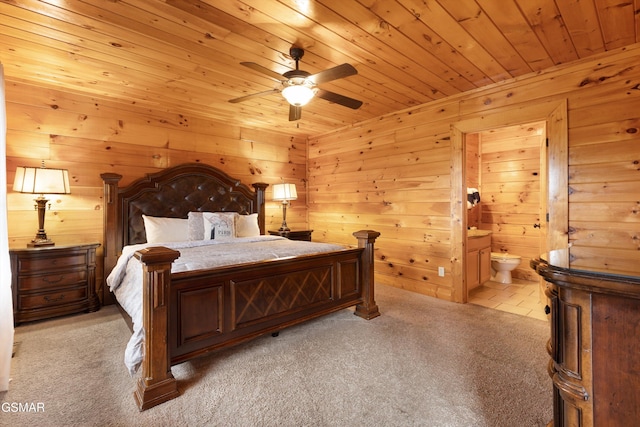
(441, 271)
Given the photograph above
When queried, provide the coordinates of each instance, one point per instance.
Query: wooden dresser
(53, 281)
(594, 346)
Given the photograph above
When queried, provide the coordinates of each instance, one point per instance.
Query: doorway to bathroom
(506, 169)
(552, 175)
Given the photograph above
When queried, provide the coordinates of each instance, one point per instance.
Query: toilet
(502, 264)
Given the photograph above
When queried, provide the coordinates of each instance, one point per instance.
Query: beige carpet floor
(424, 362)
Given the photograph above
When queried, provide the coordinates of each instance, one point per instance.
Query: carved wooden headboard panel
(172, 192)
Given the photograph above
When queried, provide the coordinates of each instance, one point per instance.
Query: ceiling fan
(299, 86)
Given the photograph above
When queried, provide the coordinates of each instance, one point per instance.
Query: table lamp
(41, 181)
(284, 193)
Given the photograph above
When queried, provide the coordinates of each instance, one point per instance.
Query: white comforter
(125, 280)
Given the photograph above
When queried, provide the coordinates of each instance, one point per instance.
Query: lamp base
(39, 243)
(284, 228)
(41, 238)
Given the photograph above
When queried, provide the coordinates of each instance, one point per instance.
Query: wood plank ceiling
(183, 56)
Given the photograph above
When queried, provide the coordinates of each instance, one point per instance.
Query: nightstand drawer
(34, 265)
(303, 235)
(55, 280)
(49, 299)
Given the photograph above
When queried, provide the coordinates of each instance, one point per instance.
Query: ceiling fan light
(298, 95)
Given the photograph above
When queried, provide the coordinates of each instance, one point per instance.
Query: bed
(186, 313)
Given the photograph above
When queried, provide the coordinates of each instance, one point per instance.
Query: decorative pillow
(161, 229)
(219, 225)
(247, 225)
(200, 229)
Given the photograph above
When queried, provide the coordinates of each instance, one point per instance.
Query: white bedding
(125, 280)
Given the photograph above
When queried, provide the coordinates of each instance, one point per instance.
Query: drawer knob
(49, 280)
(49, 300)
(547, 309)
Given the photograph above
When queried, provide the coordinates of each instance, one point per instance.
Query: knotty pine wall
(509, 183)
(393, 174)
(89, 136)
(472, 169)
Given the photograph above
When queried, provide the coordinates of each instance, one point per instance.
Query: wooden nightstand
(293, 234)
(53, 281)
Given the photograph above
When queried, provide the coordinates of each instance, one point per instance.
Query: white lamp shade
(298, 95)
(41, 181)
(284, 192)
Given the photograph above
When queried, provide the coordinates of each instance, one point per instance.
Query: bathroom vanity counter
(474, 234)
(594, 344)
(478, 257)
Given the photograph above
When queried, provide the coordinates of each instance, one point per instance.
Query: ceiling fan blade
(295, 113)
(338, 99)
(255, 95)
(337, 72)
(259, 68)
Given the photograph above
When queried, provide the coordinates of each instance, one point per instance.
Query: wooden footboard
(189, 314)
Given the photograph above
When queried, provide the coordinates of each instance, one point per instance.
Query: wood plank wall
(89, 136)
(473, 173)
(393, 174)
(509, 179)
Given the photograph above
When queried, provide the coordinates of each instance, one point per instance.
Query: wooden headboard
(172, 192)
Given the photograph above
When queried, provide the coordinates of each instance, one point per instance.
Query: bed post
(368, 309)
(156, 383)
(110, 243)
(260, 202)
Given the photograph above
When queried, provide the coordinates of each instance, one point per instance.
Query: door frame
(555, 115)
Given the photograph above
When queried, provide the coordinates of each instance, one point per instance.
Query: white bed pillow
(247, 225)
(162, 229)
(219, 225)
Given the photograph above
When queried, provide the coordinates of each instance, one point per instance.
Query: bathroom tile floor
(521, 297)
